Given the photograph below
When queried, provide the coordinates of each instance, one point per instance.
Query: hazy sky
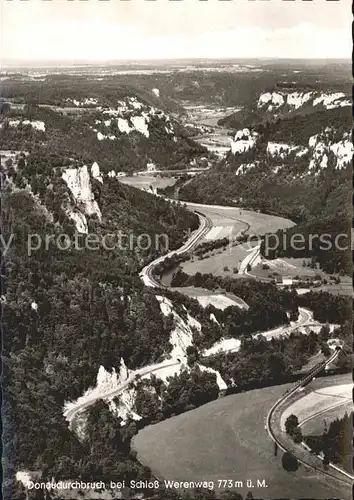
(139, 29)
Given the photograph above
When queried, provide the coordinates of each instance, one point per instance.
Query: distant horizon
(25, 63)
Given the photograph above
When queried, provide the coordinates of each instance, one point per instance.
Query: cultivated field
(216, 261)
(226, 439)
(229, 222)
(330, 399)
(255, 222)
(286, 267)
(316, 426)
(318, 402)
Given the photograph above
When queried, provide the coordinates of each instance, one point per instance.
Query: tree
(297, 435)
(291, 423)
(289, 462)
(326, 351)
(326, 461)
(325, 332)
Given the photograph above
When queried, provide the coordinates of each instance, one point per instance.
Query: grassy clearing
(258, 223)
(219, 299)
(229, 222)
(285, 267)
(317, 401)
(145, 181)
(226, 439)
(316, 426)
(293, 267)
(216, 261)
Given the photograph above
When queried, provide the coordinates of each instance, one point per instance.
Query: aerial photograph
(176, 265)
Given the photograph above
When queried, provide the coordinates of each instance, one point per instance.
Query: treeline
(68, 312)
(319, 241)
(268, 306)
(73, 135)
(261, 363)
(327, 307)
(184, 391)
(291, 125)
(208, 246)
(335, 443)
(170, 263)
(298, 128)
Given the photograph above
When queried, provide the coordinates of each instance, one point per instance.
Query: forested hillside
(296, 165)
(74, 239)
(126, 130)
(66, 311)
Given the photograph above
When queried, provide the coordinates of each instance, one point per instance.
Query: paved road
(81, 404)
(146, 273)
(338, 474)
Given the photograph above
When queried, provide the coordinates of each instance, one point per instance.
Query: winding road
(73, 409)
(146, 274)
(345, 476)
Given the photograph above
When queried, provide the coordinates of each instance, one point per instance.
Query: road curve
(70, 413)
(146, 275)
(149, 280)
(347, 478)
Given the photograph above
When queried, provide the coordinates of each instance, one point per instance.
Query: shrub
(289, 462)
(297, 435)
(291, 423)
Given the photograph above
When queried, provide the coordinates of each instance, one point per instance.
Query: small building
(287, 281)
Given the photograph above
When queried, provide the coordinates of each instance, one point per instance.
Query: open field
(286, 267)
(256, 222)
(216, 261)
(316, 425)
(329, 399)
(343, 288)
(318, 401)
(226, 439)
(217, 299)
(145, 181)
(229, 222)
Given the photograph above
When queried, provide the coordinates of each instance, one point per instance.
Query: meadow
(226, 439)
